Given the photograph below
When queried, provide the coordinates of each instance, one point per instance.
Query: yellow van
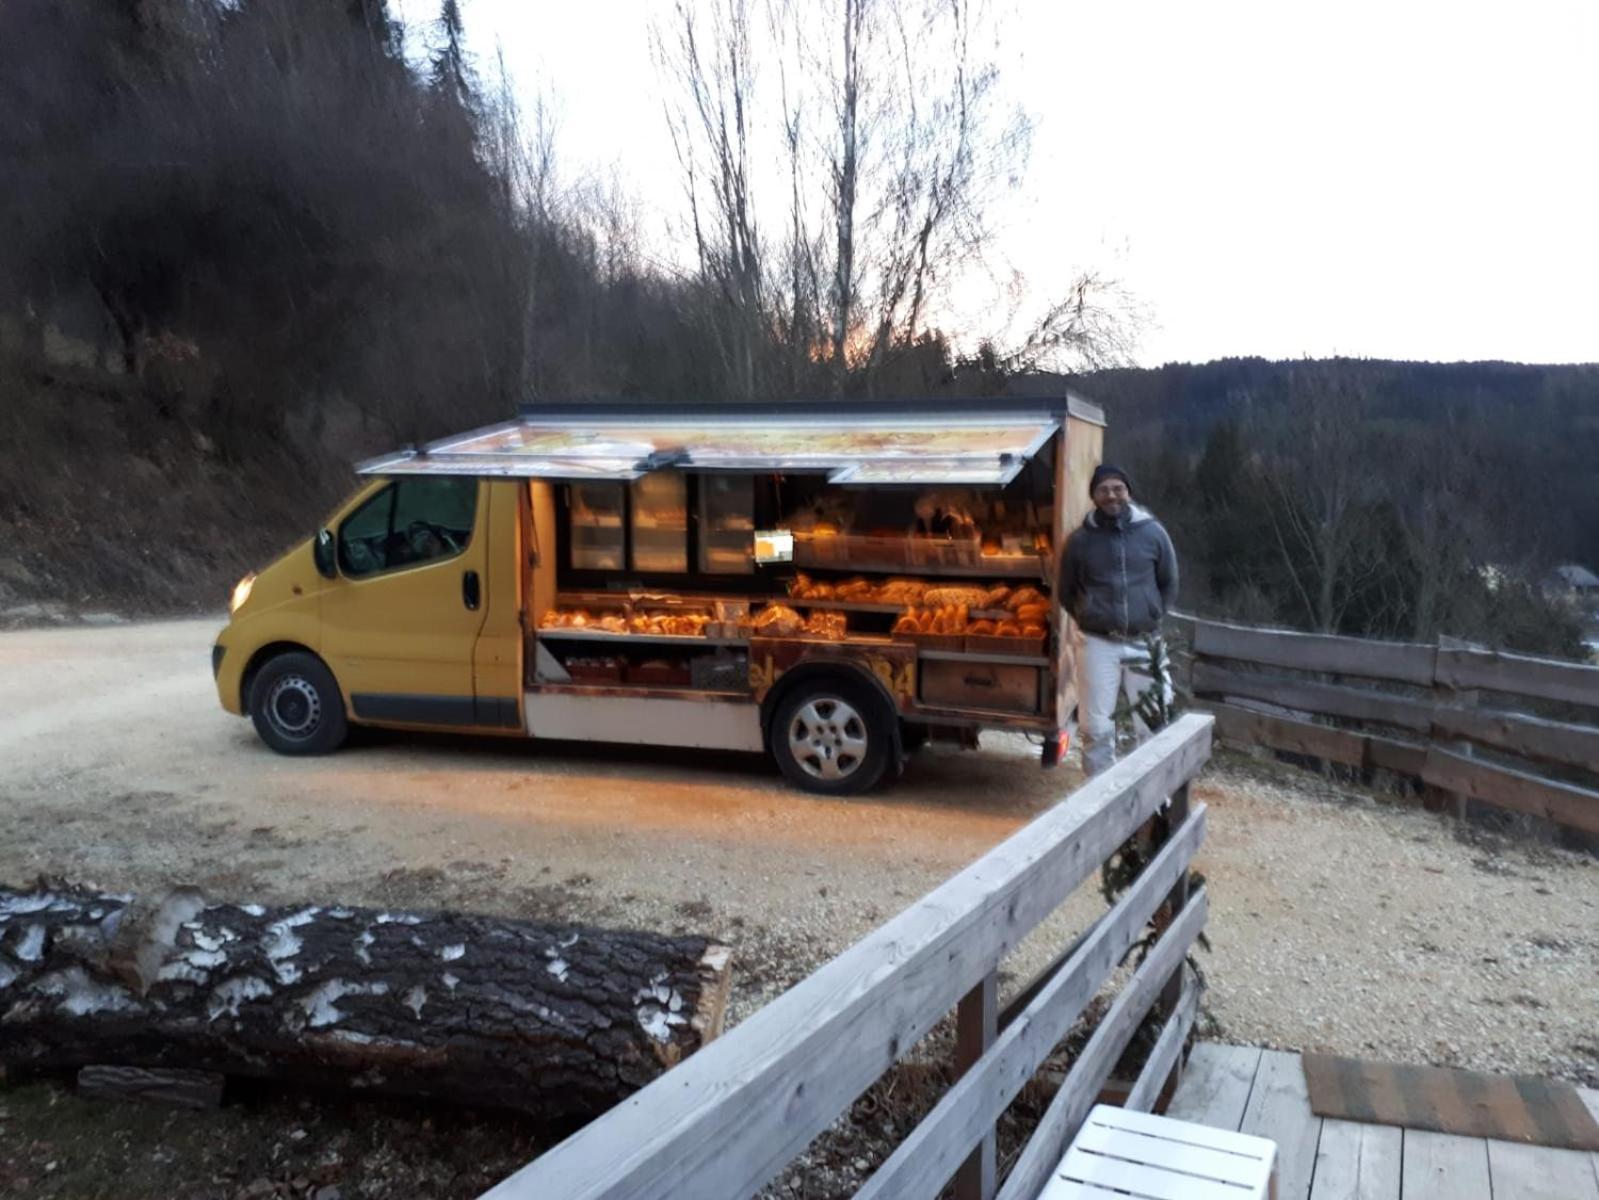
(830, 583)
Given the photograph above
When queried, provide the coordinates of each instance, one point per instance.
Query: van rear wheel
(833, 736)
(296, 705)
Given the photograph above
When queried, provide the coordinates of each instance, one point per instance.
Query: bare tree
(710, 124)
(1094, 327)
(844, 183)
(1319, 478)
(888, 139)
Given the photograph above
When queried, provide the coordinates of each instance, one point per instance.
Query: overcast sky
(1397, 180)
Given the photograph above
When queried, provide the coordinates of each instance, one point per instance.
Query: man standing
(1118, 578)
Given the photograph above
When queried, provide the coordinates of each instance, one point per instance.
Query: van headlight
(241, 593)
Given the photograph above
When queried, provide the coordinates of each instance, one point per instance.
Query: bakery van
(832, 583)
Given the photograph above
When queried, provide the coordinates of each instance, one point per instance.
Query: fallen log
(554, 1020)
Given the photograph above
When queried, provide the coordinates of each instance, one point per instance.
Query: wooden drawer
(997, 687)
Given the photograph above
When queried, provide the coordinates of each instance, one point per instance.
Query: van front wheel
(296, 706)
(833, 737)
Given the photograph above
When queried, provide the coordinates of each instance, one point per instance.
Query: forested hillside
(245, 242)
(1389, 498)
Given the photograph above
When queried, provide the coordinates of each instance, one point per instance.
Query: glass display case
(660, 522)
(727, 524)
(598, 534)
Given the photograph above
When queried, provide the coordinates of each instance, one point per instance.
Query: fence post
(1445, 695)
(1172, 993)
(976, 1027)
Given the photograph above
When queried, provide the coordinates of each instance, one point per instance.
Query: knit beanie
(1105, 471)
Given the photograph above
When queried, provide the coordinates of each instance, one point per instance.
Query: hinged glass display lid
(978, 442)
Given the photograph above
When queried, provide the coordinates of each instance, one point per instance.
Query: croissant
(1008, 629)
(1025, 595)
(1030, 613)
(983, 628)
(906, 624)
(1032, 631)
(995, 597)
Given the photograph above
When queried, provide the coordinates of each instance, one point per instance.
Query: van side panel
(497, 657)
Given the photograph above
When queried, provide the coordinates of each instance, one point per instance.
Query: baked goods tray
(992, 614)
(929, 556)
(586, 634)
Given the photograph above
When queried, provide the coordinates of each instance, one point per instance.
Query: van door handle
(471, 590)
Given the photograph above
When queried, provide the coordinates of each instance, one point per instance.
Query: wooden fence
(730, 1118)
(1427, 719)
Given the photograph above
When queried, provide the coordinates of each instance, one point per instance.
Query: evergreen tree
(452, 76)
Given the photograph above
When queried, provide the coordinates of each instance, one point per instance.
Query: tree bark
(555, 1020)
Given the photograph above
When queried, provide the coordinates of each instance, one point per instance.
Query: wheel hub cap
(828, 739)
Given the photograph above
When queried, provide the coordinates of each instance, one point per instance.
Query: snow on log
(556, 1020)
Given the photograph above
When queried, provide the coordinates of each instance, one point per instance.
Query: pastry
(778, 620)
(971, 597)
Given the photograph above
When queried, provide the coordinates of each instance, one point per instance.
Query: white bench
(1118, 1152)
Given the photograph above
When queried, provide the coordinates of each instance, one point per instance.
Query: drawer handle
(979, 681)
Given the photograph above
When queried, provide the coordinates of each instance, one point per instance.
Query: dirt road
(119, 765)
(1338, 922)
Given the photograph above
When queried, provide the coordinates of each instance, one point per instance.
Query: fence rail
(730, 1118)
(1438, 731)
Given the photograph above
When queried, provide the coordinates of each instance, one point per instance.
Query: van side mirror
(322, 553)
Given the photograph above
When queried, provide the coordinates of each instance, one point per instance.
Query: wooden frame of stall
(929, 685)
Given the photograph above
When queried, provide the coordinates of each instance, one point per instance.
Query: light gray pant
(1104, 669)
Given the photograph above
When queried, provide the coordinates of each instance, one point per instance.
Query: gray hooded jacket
(1119, 577)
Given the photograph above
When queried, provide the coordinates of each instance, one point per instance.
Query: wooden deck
(1263, 1092)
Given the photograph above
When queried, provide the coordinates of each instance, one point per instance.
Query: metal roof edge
(378, 464)
(1084, 409)
(848, 409)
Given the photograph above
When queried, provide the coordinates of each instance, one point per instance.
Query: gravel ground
(1339, 922)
